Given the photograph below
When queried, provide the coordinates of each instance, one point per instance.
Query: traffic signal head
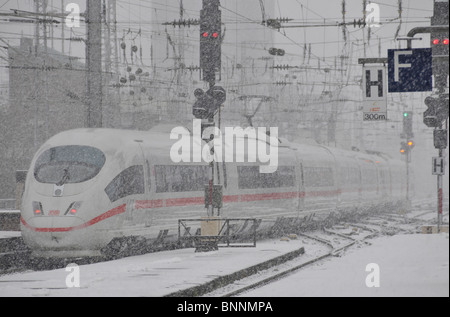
(208, 103)
(218, 94)
(440, 139)
(437, 110)
(403, 148)
(200, 108)
(210, 39)
(408, 124)
(439, 47)
(410, 144)
(439, 43)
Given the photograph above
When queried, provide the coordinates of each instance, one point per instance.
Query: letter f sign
(397, 64)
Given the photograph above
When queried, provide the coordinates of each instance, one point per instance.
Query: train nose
(54, 223)
(53, 231)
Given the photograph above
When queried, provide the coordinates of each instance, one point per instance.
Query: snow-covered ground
(409, 265)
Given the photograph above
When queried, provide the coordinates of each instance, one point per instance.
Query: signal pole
(407, 149)
(436, 116)
(209, 103)
(440, 44)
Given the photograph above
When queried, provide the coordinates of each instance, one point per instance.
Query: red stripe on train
(190, 201)
(269, 196)
(179, 202)
(185, 201)
(149, 204)
(106, 215)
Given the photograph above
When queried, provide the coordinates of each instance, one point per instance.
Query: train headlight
(37, 208)
(73, 208)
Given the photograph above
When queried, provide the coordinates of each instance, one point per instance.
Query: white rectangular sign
(438, 166)
(374, 93)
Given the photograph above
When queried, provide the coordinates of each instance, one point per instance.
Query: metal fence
(230, 232)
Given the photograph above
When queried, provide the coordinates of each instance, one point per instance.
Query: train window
(349, 176)
(180, 178)
(129, 182)
(318, 176)
(369, 176)
(251, 178)
(68, 164)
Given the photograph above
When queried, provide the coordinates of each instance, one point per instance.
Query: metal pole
(94, 64)
(439, 197)
(408, 157)
(211, 6)
(63, 11)
(211, 181)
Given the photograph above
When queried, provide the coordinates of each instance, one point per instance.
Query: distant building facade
(46, 91)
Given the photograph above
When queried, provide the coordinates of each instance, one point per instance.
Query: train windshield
(68, 164)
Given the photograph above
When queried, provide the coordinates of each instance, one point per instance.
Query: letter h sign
(374, 90)
(378, 83)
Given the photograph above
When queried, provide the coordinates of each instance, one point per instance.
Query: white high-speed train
(87, 187)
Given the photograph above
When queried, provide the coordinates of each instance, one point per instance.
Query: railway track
(323, 244)
(334, 242)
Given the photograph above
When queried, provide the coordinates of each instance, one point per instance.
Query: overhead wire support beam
(379, 60)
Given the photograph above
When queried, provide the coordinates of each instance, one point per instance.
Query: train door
(133, 216)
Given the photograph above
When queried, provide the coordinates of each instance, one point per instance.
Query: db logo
(73, 18)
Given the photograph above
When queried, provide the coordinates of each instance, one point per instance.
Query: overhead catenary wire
(239, 23)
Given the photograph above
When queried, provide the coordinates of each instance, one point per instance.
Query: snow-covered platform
(154, 275)
(410, 265)
(10, 234)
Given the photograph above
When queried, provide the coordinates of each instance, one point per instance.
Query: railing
(219, 232)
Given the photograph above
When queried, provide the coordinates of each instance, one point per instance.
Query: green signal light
(405, 114)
